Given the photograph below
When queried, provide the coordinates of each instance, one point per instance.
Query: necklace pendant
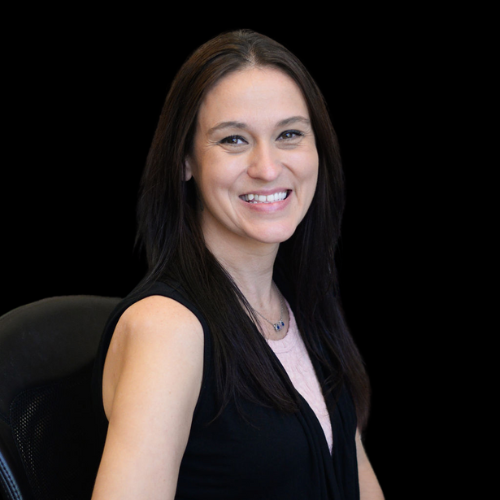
(279, 325)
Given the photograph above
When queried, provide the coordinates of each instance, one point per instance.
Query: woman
(229, 371)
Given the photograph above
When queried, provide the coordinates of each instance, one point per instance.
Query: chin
(273, 236)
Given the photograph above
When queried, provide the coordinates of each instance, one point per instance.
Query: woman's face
(254, 159)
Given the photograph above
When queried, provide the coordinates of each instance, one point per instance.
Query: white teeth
(258, 198)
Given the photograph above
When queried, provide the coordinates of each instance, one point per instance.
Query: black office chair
(48, 447)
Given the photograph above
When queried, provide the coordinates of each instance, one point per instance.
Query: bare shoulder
(151, 382)
(152, 334)
(157, 315)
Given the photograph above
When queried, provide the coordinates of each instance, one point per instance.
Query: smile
(259, 198)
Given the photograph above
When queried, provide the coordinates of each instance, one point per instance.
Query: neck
(253, 274)
(252, 271)
(250, 264)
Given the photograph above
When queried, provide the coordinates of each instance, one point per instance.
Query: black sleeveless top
(266, 456)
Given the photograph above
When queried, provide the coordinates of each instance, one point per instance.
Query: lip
(268, 207)
(267, 192)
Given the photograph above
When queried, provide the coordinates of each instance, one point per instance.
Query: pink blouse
(292, 353)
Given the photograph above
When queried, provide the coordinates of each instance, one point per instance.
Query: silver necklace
(279, 325)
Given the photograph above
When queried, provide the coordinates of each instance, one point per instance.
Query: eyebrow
(241, 125)
(293, 119)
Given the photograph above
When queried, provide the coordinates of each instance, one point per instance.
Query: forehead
(252, 94)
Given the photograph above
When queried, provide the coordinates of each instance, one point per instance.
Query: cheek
(214, 183)
(206, 175)
(310, 179)
(310, 172)
(219, 174)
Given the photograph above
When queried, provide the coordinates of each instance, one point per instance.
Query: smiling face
(254, 159)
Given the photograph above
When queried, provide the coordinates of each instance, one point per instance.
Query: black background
(83, 102)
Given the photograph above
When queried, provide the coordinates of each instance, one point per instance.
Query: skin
(253, 136)
(369, 487)
(151, 382)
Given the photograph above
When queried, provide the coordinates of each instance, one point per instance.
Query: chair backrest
(48, 446)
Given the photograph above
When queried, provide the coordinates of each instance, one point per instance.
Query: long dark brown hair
(170, 233)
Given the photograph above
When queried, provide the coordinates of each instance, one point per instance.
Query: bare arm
(151, 383)
(368, 483)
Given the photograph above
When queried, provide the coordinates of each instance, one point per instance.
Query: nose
(265, 163)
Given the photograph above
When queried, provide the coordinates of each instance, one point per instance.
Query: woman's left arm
(368, 484)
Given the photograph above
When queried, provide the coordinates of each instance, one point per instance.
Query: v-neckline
(307, 407)
(328, 458)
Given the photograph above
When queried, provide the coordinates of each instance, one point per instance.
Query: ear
(188, 169)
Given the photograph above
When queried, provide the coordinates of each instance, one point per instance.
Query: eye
(233, 140)
(290, 135)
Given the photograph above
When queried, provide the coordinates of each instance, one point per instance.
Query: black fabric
(271, 456)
